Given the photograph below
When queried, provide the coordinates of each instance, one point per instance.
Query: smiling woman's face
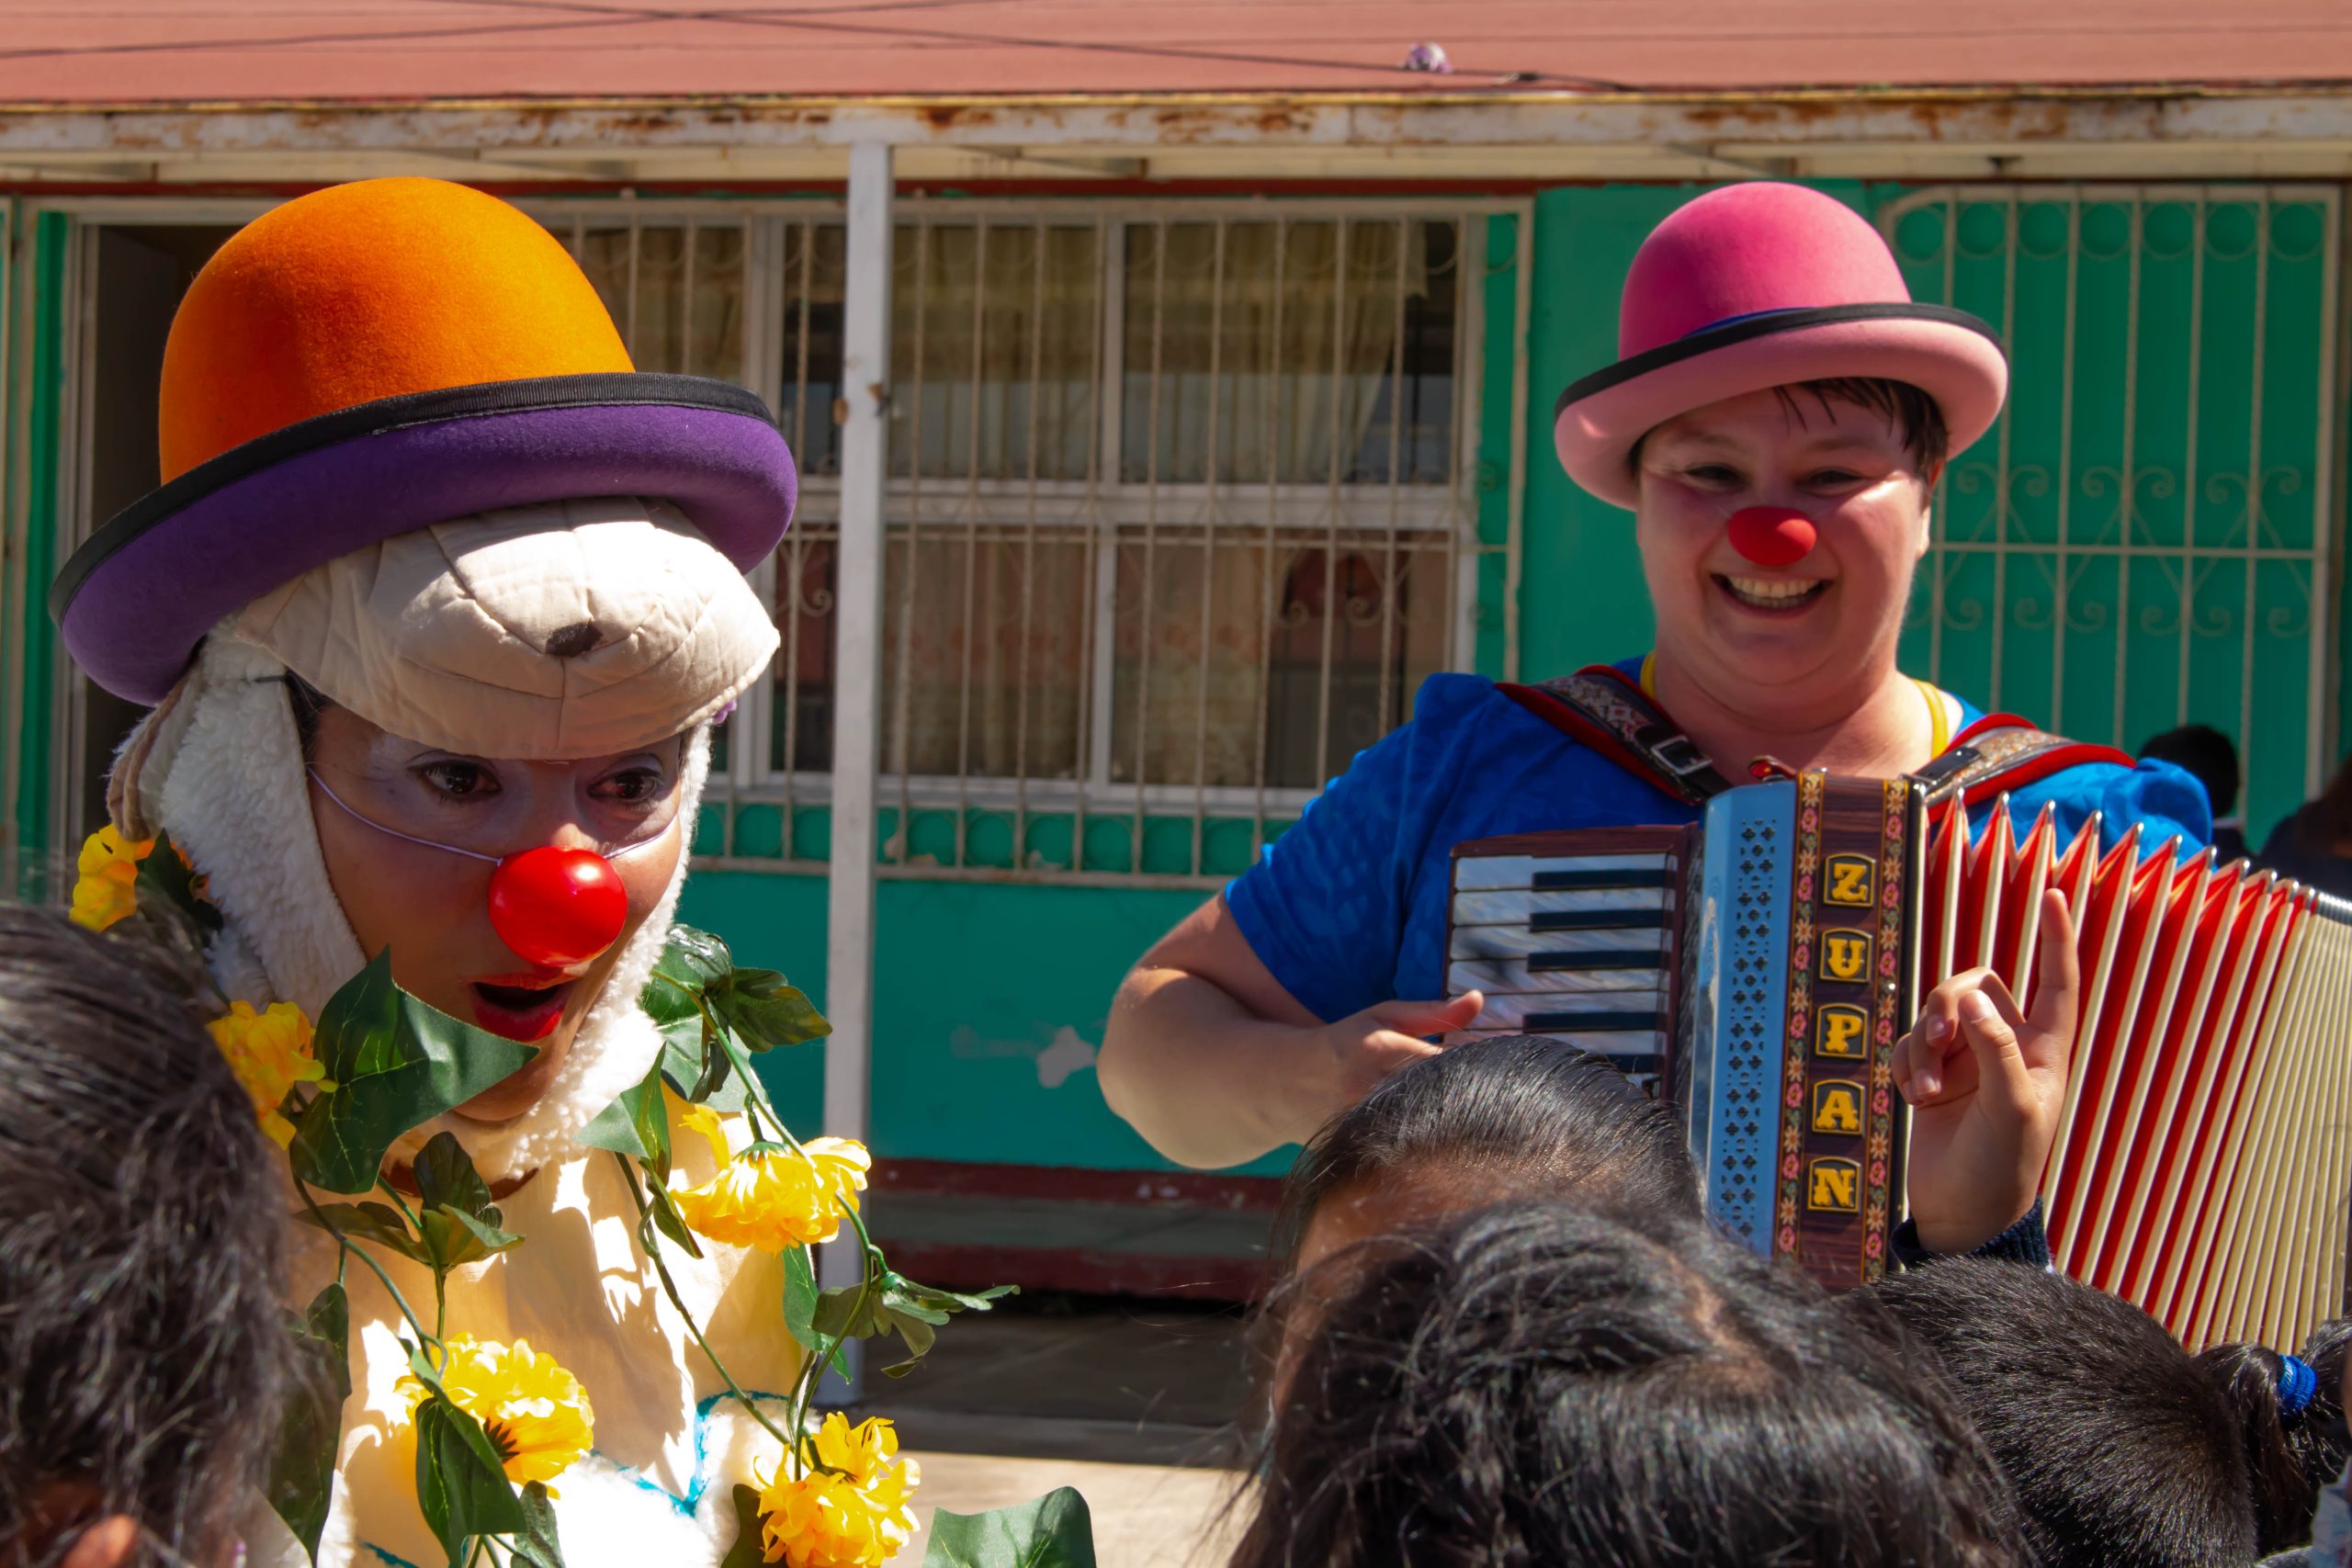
(1764, 639)
(430, 906)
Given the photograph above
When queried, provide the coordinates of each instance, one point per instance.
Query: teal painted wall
(989, 1002)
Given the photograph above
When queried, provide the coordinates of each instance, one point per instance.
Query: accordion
(1757, 968)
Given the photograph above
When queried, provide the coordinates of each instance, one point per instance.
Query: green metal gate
(2150, 535)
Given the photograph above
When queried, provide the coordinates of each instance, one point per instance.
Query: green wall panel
(35, 671)
(990, 1003)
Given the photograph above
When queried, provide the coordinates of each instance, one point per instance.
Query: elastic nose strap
(349, 811)
(394, 832)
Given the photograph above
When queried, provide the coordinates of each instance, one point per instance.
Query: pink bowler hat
(1758, 286)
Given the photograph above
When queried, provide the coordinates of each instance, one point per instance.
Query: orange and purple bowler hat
(1758, 285)
(379, 357)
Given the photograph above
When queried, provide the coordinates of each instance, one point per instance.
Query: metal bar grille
(2145, 540)
(1181, 501)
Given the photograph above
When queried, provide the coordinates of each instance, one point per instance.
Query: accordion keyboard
(1580, 947)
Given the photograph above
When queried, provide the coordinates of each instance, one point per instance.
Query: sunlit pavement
(1133, 1405)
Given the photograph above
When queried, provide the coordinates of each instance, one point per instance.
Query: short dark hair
(2205, 753)
(2289, 1458)
(143, 1347)
(1546, 1117)
(1544, 1385)
(1910, 413)
(2123, 1452)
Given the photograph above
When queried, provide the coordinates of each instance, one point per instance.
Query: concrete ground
(1133, 1404)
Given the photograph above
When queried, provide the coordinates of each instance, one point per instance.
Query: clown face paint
(405, 808)
(1728, 493)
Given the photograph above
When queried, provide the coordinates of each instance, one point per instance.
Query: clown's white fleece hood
(460, 654)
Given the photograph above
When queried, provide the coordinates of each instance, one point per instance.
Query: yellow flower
(106, 872)
(535, 1414)
(270, 1052)
(775, 1198)
(858, 1518)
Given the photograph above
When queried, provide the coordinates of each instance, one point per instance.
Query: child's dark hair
(2290, 1421)
(1533, 1117)
(143, 1352)
(1541, 1385)
(2120, 1448)
(2206, 755)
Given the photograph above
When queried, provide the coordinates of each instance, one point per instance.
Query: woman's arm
(1214, 1063)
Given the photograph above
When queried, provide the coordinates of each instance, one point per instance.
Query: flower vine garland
(497, 1424)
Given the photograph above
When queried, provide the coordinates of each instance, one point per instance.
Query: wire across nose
(1772, 537)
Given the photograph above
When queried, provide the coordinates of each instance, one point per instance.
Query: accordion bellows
(1758, 967)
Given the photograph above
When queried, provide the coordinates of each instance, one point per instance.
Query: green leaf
(800, 1297)
(309, 1422)
(537, 1546)
(800, 1302)
(670, 1222)
(850, 1312)
(638, 1125)
(460, 1481)
(692, 958)
(908, 1296)
(1056, 1530)
(396, 1063)
(453, 1237)
(166, 881)
(748, 1550)
(766, 1012)
(913, 1313)
(379, 1223)
(446, 1176)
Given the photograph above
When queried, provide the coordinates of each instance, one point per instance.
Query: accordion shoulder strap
(1600, 708)
(2002, 751)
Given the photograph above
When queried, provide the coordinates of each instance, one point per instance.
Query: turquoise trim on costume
(686, 1506)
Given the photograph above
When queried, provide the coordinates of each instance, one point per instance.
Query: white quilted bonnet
(569, 629)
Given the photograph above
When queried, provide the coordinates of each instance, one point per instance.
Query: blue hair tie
(2297, 1383)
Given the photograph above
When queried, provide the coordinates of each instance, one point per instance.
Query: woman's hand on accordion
(1987, 1082)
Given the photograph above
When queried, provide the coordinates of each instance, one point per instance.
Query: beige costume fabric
(220, 768)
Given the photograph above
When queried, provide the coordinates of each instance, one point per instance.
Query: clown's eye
(1832, 479)
(1715, 476)
(455, 779)
(631, 786)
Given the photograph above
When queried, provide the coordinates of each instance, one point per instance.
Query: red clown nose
(557, 907)
(1772, 537)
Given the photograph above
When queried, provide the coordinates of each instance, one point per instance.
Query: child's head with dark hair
(1523, 1116)
(2205, 754)
(1539, 1384)
(143, 1348)
(2291, 1422)
(2121, 1449)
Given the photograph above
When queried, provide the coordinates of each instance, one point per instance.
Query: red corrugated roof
(176, 51)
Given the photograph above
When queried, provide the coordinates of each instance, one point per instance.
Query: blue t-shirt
(1348, 908)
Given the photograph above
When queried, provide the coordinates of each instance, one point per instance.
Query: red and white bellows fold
(2203, 1165)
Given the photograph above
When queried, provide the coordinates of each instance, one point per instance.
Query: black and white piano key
(1566, 910)
(1562, 949)
(1559, 872)
(1635, 971)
